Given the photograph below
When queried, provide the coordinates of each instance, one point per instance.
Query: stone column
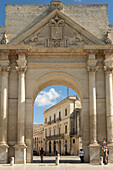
(57, 146)
(108, 68)
(47, 146)
(4, 116)
(94, 148)
(52, 147)
(62, 147)
(20, 147)
(4, 108)
(92, 103)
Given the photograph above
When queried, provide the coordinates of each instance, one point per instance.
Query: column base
(29, 152)
(3, 153)
(94, 153)
(110, 156)
(20, 154)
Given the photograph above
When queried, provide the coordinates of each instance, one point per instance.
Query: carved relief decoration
(57, 33)
(107, 39)
(92, 69)
(4, 39)
(21, 69)
(56, 5)
(5, 69)
(108, 69)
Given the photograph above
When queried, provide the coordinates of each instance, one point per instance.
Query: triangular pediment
(56, 30)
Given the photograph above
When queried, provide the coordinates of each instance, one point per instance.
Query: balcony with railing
(59, 119)
(49, 123)
(57, 136)
(53, 121)
(75, 133)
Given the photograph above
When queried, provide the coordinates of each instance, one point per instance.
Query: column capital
(21, 69)
(108, 69)
(5, 69)
(92, 68)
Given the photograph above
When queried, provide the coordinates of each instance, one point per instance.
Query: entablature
(57, 52)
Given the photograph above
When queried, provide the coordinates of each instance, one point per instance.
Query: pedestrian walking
(81, 155)
(106, 156)
(41, 154)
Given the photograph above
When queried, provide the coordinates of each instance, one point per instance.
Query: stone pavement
(67, 163)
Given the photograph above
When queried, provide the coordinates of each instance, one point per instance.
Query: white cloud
(47, 98)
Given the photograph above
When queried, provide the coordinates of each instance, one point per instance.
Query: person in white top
(81, 155)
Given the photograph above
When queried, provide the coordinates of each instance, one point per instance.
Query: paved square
(66, 163)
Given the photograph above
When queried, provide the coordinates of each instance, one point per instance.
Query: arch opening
(57, 78)
(48, 79)
(62, 115)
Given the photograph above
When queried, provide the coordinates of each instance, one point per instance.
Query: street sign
(104, 143)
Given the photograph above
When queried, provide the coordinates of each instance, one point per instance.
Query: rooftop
(61, 102)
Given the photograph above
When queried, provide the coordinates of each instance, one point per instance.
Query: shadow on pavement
(61, 161)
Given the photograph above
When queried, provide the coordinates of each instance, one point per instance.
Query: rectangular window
(59, 131)
(66, 129)
(65, 112)
(35, 142)
(54, 131)
(54, 117)
(50, 132)
(50, 119)
(59, 115)
(45, 120)
(73, 140)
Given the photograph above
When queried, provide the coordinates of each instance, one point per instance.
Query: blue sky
(54, 94)
(3, 2)
(47, 98)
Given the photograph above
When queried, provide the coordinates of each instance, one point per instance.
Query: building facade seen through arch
(62, 127)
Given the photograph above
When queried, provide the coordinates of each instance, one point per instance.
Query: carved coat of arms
(56, 31)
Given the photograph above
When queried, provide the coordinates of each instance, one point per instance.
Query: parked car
(34, 153)
(44, 153)
(38, 153)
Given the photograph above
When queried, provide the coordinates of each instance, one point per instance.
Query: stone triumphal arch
(43, 45)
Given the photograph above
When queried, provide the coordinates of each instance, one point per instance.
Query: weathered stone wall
(22, 17)
(94, 18)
